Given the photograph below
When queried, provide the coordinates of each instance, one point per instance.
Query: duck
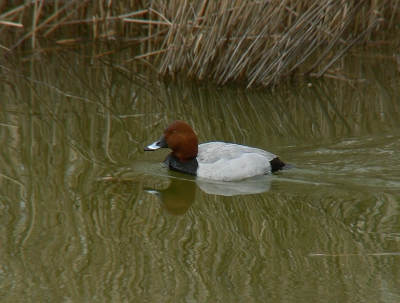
(219, 161)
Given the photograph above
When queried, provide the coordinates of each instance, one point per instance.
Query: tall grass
(255, 42)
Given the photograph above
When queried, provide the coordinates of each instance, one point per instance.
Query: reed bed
(254, 42)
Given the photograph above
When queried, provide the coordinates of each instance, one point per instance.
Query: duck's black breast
(189, 167)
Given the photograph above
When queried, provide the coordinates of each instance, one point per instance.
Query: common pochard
(214, 160)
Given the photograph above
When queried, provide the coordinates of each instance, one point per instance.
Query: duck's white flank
(231, 162)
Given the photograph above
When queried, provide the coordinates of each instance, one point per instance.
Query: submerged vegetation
(253, 42)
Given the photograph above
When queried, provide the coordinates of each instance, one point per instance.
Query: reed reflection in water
(78, 222)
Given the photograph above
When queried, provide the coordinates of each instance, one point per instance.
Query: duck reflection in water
(178, 197)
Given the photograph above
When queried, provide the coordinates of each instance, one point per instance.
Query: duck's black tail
(278, 164)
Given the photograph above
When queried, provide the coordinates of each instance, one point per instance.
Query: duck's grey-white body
(231, 162)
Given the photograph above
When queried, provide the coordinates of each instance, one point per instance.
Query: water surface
(87, 216)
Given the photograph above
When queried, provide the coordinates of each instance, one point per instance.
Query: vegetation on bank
(255, 42)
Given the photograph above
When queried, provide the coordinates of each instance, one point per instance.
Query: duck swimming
(213, 160)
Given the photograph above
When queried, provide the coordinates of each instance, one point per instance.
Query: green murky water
(80, 222)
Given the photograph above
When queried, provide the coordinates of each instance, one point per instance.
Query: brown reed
(253, 42)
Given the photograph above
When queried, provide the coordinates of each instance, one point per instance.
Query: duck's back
(230, 162)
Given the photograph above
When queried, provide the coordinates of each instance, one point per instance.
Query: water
(87, 216)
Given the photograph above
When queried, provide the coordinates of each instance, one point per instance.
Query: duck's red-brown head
(179, 137)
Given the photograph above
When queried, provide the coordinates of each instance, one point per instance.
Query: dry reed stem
(3, 47)
(37, 12)
(150, 22)
(149, 54)
(15, 10)
(9, 23)
(116, 18)
(160, 15)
